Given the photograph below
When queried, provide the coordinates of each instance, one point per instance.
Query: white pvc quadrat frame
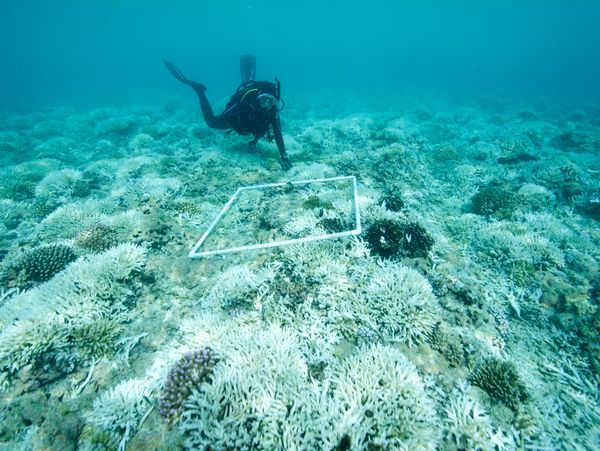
(356, 231)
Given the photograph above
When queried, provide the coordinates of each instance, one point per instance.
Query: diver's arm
(285, 161)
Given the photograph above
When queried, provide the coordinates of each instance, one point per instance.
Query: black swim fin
(176, 72)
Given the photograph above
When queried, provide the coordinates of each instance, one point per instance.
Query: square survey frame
(195, 253)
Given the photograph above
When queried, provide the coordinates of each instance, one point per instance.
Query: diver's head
(267, 102)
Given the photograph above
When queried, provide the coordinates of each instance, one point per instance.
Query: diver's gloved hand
(253, 144)
(286, 165)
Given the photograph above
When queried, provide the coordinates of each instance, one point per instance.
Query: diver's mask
(267, 101)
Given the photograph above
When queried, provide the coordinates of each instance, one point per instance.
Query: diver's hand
(252, 145)
(286, 165)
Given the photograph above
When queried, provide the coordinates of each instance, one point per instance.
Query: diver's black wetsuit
(243, 113)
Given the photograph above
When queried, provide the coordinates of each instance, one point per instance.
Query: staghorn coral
(246, 404)
(95, 279)
(302, 225)
(383, 403)
(25, 343)
(535, 197)
(95, 338)
(22, 190)
(141, 142)
(187, 374)
(400, 301)
(68, 220)
(499, 379)
(80, 316)
(40, 264)
(240, 286)
(43, 207)
(118, 411)
(59, 183)
(56, 347)
(467, 425)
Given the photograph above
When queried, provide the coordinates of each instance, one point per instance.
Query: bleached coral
(69, 220)
(120, 409)
(467, 425)
(535, 197)
(301, 226)
(141, 142)
(58, 183)
(246, 404)
(515, 250)
(133, 192)
(240, 286)
(383, 402)
(88, 289)
(23, 342)
(314, 171)
(400, 302)
(260, 397)
(57, 345)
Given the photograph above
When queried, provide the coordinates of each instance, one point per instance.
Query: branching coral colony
(465, 317)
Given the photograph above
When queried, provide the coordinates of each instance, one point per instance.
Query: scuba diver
(253, 108)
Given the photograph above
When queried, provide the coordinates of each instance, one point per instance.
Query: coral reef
(119, 411)
(500, 379)
(393, 201)
(245, 405)
(383, 402)
(393, 238)
(39, 264)
(357, 343)
(400, 302)
(468, 426)
(79, 319)
(448, 343)
(186, 375)
(97, 238)
(493, 201)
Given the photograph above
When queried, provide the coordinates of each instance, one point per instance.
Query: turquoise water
(463, 316)
(102, 53)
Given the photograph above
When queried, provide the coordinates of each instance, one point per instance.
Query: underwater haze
(400, 252)
(100, 52)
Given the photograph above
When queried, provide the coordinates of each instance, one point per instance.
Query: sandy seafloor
(488, 340)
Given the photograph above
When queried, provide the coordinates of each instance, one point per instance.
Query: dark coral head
(186, 375)
(40, 264)
(493, 201)
(393, 201)
(501, 381)
(390, 238)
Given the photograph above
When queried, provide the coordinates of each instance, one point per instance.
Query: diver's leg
(211, 120)
(247, 67)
